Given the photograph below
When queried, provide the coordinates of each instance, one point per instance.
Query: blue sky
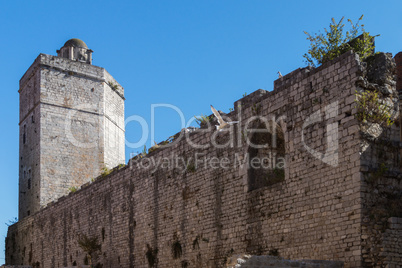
(186, 53)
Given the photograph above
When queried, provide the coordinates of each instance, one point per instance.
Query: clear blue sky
(187, 53)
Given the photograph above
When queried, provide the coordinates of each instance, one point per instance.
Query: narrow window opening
(29, 179)
(24, 135)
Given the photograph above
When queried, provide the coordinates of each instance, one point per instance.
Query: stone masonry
(71, 126)
(197, 199)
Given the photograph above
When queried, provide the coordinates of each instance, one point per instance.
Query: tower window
(24, 135)
(29, 178)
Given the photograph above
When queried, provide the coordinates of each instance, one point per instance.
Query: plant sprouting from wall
(202, 119)
(176, 247)
(106, 171)
(89, 245)
(121, 166)
(73, 189)
(335, 41)
(113, 86)
(151, 255)
(371, 109)
(154, 148)
(256, 108)
(191, 167)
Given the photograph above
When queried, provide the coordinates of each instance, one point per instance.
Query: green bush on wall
(335, 41)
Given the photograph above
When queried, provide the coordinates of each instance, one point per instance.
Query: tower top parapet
(76, 49)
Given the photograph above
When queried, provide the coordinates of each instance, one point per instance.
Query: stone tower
(71, 125)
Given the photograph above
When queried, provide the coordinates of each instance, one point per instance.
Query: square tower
(71, 125)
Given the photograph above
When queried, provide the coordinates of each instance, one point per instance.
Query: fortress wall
(380, 171)
(392, 242)
(382, 211)
(203, 215)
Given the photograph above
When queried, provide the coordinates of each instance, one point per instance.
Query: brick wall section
(209, 213)
(392, 242)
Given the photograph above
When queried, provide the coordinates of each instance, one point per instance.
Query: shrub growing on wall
(370, 109)
(89, 245)
(335, 41)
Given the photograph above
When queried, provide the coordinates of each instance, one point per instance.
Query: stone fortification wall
(380, 168)
(184, 205)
